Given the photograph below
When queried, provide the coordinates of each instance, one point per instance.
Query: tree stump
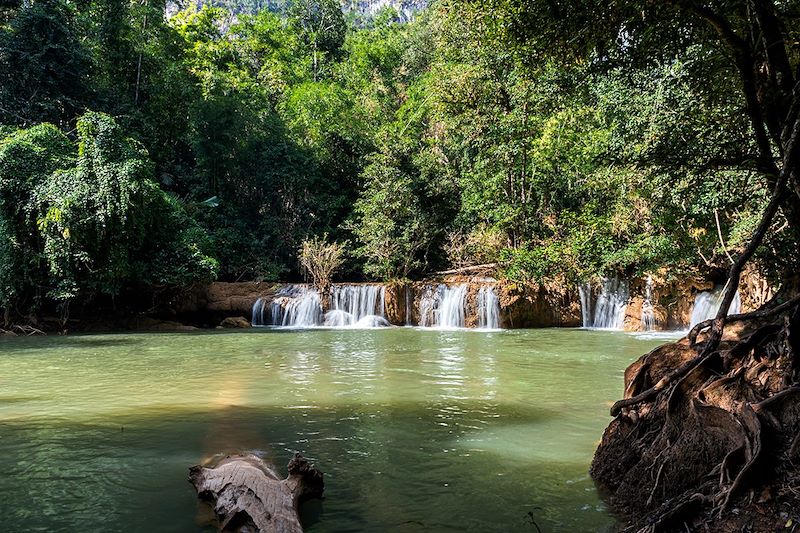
(248, 496)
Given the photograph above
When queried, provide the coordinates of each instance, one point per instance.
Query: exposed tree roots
(21, 330)
(708, 433)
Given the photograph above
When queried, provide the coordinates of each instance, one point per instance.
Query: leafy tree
(92, 224)
(323, 29)
(27, 160)
(391, 221)
(44, 66)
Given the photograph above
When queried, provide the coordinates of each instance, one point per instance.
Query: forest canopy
(141, 146)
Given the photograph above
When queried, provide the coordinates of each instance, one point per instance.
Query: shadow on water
(387, 467)
(36, 343)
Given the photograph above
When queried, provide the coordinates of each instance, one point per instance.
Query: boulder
(235, 322)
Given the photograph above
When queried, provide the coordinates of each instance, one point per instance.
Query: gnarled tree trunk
(248, 496)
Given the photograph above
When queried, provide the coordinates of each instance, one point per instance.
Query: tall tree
(323, 29)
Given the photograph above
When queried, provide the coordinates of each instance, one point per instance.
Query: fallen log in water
(248, 496)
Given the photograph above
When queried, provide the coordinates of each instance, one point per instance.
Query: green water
(415, 430)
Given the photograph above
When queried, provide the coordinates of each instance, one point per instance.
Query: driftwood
(464, 270)
(248, 496)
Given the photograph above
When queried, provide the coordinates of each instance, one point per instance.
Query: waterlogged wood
(248, 496)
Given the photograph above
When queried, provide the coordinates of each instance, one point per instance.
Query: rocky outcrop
(239, 322)
(208, 305)
(672, 302)
(539, 305)
(395, 297)
(673, 299)
(521, 305)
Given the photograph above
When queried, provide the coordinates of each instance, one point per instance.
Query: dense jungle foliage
(143, 146)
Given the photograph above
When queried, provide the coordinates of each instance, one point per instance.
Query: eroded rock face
(222, 297)
(395, 302)
(539, 305)
(673, 300)
(208, 305)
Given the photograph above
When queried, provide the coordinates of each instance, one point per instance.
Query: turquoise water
(415, 430)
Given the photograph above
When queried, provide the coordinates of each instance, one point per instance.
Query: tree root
(706, 427)
(24, 330)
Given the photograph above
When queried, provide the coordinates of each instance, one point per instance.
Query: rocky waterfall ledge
(638, 304)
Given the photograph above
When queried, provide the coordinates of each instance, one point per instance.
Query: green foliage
(391, 222)
(91, 224)
(27, 159)
(44, 66)
(474, 133)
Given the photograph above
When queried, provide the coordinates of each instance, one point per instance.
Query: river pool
(415, 430)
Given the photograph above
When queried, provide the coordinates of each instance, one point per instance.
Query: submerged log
(248, 496)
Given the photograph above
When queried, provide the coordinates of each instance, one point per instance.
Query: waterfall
(357, 305)
(706, 305)
(296, 306)
(300, 306)
(648, 316)
(451, 308)
(428, 304)
(443, 306)
(609, 310)
(258, 318)
(488, 308)
(585, 292)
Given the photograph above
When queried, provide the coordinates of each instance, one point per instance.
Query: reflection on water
(415, 430)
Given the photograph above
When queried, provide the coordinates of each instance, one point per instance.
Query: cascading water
(648, 317)
(488, 308)
(585, 292)
(451, 308)
(258, 318)
(706, 305)
(357, 305)
(296, 306)
(443, 306)
(428, 305)
(300, 306)
(609, 310)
